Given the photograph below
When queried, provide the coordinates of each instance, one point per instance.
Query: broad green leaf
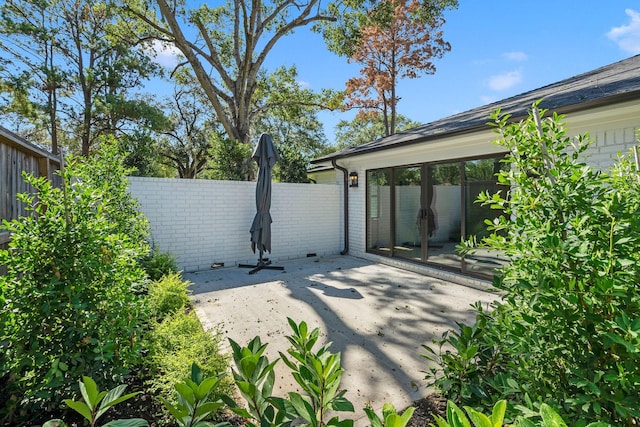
(89, 390)
(551, 417)
(335, 422)
(185, 392)
(80, 407)
(205, 387)
(477, 418)
(407, 414)
(456, 417)
(497, 414)
(131, 422)
(303, 408)
(54, 423)
(208, 408)
(524, 422)
(374, 420)
(176, 412)
(342, 404)
(441, 421)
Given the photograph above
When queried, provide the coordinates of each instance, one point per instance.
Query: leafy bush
(68, 305)
(174, 345)
(157, 264)
(168, 295)
(567, 331)
(547, 417)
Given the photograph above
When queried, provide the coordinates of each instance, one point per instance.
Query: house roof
(611, 84)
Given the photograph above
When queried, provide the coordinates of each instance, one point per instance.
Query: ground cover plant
(567, 331)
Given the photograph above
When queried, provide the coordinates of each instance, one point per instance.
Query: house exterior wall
(202, 222)
(612, 129)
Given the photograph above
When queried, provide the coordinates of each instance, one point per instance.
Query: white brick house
(414, 200)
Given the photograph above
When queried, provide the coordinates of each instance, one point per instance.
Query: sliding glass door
(422, 212)
(379, 211)
(407, 209)
(444, 214)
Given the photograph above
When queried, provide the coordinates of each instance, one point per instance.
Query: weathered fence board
(18, 156)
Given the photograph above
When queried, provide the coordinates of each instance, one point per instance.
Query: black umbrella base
(261, 265)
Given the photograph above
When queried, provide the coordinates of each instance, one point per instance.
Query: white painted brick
(202, 221)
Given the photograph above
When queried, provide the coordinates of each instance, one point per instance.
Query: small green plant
(158, 264)
(255, 379)
(168, 295)
(547, 417)
(390, 417)
(457, 418)
(318, 373)
(197, 400)
(95, 403)
(174, 345)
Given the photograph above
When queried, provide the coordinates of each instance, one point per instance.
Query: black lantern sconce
(353, 179)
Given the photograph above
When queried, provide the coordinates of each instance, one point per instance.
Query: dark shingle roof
(610, 84)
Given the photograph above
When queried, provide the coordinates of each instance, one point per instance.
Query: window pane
(379, 210)
(444, 203)
(480, 177)
(407, 213)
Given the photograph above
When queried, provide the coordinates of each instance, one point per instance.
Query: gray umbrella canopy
(265, 156)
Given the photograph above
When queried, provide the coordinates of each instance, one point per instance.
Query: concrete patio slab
(377, 316)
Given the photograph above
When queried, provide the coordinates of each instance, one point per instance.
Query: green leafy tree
(69, 297)
(366, 128)
(289, 115)
(227, 159)
(186, 144)
(227, 46)
(32, 77)
(67, 66)
(567, 330)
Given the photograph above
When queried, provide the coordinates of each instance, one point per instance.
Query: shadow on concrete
(377, 316)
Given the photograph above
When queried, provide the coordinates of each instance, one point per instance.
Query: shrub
(68, 306)
(157, 264)
(567, 331)
(168, 295)
(174, 345)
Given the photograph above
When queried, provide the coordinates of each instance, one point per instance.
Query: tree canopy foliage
(67, 66)
(395, 43)
(366, 128)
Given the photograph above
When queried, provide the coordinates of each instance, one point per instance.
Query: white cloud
(628, 36)
(515, 56)
(506, 80)
(165, 54)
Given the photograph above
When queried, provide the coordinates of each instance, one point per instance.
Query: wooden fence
(18, 155)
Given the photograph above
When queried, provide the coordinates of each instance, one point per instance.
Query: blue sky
(499, 49)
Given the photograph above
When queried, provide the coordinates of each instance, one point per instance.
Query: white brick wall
(608, 143)
(202, 221)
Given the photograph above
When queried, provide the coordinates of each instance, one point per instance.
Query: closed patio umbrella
(266, 157)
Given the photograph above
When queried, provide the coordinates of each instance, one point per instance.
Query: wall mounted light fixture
(353, 179)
